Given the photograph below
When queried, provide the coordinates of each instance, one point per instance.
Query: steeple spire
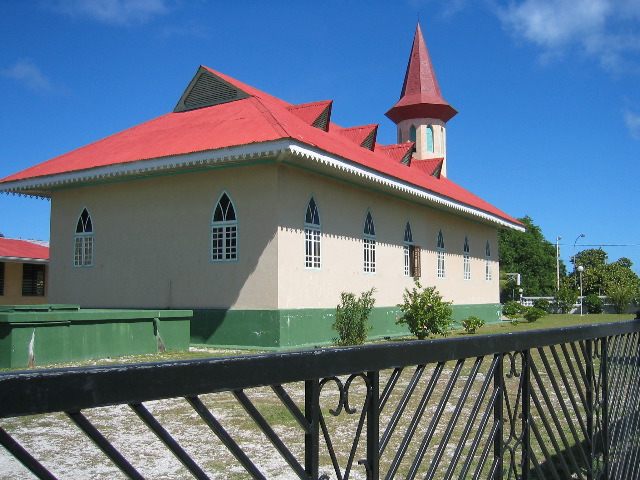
(421, 113)
(420, 96)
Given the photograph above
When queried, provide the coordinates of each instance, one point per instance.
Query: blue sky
(547, 90)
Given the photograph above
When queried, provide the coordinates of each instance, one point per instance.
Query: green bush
(351, 318)
(621, 296)
(565, 299)
(542, 304)
(512, 310)
(425, 312)
(471, 324)
(593, 303)
(532, 314)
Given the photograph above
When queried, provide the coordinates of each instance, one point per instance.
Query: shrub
(620, 296)
(593, 303)
(542, 304)
(351, 318)
(532, 314)
(471, 324)
(512, 310)
(565, 299)
(425, 312)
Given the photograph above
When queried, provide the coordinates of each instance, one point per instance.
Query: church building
(256, 214)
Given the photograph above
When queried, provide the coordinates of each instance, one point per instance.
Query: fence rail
(560, 403)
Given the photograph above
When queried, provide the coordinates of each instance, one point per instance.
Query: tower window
(412, 134)
(430, 139)
(224, 231)
(312, 235)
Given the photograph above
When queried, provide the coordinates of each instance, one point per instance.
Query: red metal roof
(256, 119)
(420, 96)
(16, 249)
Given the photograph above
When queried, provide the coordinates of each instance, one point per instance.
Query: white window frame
(488, 273)
(369, 244)
(312, 236)
(466, 259)
(224, 231)
(440, 251)
(408, 242)
(83, 251)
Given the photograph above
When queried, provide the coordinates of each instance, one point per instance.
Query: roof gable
(316, 114)
(207, 89)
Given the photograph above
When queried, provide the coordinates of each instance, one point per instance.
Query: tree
(616, 280)
(531, 255)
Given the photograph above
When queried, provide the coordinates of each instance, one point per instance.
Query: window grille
(224, 231)
(467, 259)
(440, 255)
(411, 254)
(369, 245)
(83, 241)
(312, 236)
(33, 280)
(488, 274)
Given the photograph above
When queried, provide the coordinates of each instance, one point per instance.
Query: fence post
(498, 416)
(526, 413)
(312, 436)
(590, 406)
(604, 368)
(373, 426)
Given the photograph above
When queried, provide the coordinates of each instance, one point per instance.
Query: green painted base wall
(39, 337)
(302, 328)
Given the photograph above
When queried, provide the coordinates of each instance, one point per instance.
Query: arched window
(312, 235)
(369, 245)
(83, 241)
(440, 255)
(429, 139)
(467, 259)
(412, 134)
(224, 231)
(411, 254)
(487, 263)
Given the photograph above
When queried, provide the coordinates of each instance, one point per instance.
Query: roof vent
(316, 114)
(207, 89)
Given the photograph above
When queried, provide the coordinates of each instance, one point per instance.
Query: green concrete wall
(58, 334)
(302, 328)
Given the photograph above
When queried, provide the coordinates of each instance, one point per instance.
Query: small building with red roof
(23, 271)
(257, 214)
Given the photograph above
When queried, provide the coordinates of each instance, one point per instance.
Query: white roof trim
(375, 176)
(233, 154)
(23, 259)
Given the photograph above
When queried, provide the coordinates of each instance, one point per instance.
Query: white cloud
(28, 73)
(633, 123)
(117, 12)
(608, 30)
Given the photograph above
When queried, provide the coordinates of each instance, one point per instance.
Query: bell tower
(421, 114)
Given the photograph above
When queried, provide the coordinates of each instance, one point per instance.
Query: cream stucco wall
(152, 242)
(342, 211)
(13, 286)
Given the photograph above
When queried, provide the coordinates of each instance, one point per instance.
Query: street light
(558, 263)
(581, 269)
(574, 255)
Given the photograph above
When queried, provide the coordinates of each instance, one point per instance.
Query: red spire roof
(420, 97)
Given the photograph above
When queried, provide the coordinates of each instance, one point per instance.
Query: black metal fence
(561, 404)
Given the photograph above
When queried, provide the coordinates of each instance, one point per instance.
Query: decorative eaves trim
(23, 259)
(44, 185)
(358, 170)
(148, 167)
